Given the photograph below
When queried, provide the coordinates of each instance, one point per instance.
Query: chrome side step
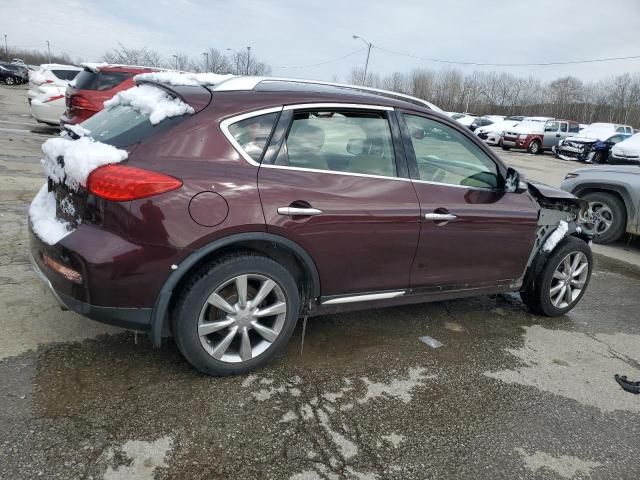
(364, 298)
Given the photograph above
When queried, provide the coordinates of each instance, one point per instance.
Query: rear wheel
(10, 81)
(236, 314)
(562, 281)
(534, 147)
(608, 217)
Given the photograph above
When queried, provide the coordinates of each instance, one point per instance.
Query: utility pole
(176, 57)
(366, 63)
(248, 58)
(49, 50)
(6, 48)
(206, 60)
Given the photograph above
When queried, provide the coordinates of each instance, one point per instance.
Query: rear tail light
(82, 103)
(63, 270)
(121, 183)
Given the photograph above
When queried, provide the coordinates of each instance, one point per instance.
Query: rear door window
(574, 128)
(344, 141)
(100, 81)
(563, 126)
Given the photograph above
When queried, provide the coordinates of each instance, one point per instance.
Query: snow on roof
(597, 131)
(186, 79)
(94, 67)
(152, 101)
(498, 127)
(81, 157)
(59, 66)
(630, 146)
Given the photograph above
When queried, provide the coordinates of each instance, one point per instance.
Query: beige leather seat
(304, 145)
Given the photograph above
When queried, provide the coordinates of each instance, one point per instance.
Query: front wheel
(9, 81)
(562, 281)
(236, 314)
(534, 147)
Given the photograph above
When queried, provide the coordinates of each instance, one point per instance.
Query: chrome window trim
(358, 106)
(484, 189)
(333, 172)
(227, 122)
(364, 298)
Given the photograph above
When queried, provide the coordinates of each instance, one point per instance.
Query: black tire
(597, 158)
(618, 212)
(193, 300)
(505, 147)
(537, 295)
(10, 81)
(535, 147)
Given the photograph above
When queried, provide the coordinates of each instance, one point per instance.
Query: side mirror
(355, 146)
(514, 181)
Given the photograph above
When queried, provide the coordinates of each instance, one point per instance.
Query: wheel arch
(618, 190)
(281, 249)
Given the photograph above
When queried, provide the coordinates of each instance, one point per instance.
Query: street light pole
(6, 48)
(366, 63)
(176, 57)
(248, 58)
(206, 62)
(49, 50)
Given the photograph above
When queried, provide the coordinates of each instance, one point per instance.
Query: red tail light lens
(82, 103)
(121, 183)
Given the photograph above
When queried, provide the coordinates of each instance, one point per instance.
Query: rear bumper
(48, 112)
(131, 318)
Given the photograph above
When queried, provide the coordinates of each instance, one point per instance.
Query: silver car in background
(613, 193)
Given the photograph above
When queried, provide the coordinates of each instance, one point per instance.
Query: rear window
(122, 125)
(67, 75)
(252, 134)
(87, 80)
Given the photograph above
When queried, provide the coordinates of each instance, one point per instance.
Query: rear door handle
(440, 217)
(301, 212)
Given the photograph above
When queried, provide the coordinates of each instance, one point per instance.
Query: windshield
(122, 125)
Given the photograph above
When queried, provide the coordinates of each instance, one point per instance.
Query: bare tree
(134, 56)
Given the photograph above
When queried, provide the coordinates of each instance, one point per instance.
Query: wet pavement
(508, 394)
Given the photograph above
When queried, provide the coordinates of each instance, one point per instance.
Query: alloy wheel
(9, 81)
(242, 318)
(569, 279)
(600, 218)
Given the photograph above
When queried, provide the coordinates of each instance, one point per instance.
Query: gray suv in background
(613, 193)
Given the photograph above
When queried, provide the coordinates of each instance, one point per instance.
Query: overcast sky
(289, 33)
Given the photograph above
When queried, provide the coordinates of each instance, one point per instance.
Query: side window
(253, 133)
(344, 141)
(445, 155)
(563, 126)
(574, 128)
(551, 127)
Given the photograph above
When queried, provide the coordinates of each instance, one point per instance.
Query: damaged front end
(561, 214)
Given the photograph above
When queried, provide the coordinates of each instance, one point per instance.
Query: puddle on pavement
(366, 399)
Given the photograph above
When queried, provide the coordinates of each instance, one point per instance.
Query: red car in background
(93, 86)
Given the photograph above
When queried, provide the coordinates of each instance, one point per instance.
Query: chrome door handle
(440, 217)
(295, 211)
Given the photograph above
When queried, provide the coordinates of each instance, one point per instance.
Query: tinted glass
(345, 141)
(253, 133)
(574, 128)
(445, 155)
(87, 80)
(563, 127)
(551, 127)
(67, 75)
(122, 125)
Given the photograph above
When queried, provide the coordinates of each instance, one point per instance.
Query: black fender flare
(161, 305)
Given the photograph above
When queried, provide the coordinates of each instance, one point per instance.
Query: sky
(289, 35)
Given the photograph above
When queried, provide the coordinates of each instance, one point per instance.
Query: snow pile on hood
(186, 79)
(81, 157)
(629, 146)
(42, 214)
(94, 67)
(595, 132)
(151, 101)
(528, 127)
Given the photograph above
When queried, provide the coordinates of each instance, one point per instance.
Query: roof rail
(249, 83)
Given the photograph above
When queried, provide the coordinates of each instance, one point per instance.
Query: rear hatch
(119, 126)
(89, 90)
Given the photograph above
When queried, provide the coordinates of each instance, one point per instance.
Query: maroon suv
(273, 199)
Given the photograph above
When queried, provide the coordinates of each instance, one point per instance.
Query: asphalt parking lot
(508, 394)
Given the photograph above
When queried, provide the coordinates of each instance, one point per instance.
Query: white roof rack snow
(241, 83)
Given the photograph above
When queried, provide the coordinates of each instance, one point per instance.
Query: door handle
(440, 217)
(297, 211)
(557, 135)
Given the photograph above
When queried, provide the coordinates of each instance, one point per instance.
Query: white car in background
(626, 152)
(465, 120)
(47, 87)
(490, 134)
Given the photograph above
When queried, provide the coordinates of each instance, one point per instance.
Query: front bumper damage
(581, 152)
(561, 214)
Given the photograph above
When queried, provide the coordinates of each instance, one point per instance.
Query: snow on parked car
(47, 87)
(491, 134)
(626, 151)
(587, 145)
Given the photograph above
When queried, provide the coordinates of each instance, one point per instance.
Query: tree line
(615, 100)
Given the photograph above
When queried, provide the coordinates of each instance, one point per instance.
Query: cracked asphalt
(508, 394)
